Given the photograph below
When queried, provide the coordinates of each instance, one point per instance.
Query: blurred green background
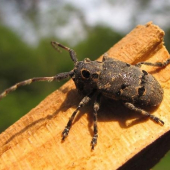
(89, 27)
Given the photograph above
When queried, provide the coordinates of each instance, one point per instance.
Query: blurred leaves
(18, 62)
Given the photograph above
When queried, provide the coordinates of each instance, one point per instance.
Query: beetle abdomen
(129, 83)
(153, 92)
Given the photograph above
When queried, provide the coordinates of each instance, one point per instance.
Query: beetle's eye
(85, 74)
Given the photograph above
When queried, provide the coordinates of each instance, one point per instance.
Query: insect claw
(92, 145)
(65, 133)
(161, 122)
(92, 148)
(157, 120)
(94, 141)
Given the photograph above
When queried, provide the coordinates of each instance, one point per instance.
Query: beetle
(111, 78)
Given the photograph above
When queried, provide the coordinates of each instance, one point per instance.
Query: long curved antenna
(72, 52)
(57, 77)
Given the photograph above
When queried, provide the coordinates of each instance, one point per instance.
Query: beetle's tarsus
(143, 112)
(96, 108)
(94, 141)
(158, 64)
(65, 133)
(156, 119)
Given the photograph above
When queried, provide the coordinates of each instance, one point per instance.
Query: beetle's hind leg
(143, 112)
(158, 64)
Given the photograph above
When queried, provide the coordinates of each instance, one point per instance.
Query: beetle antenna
(72, 52)
(57, 77)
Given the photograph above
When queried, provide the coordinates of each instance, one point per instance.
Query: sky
(120, 15)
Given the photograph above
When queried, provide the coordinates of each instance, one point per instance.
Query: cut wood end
(34, 142)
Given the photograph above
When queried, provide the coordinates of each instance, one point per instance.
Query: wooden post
(126, 139)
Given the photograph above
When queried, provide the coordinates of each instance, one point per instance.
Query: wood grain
(126, 139)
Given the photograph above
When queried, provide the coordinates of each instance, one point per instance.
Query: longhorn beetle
(111, 78)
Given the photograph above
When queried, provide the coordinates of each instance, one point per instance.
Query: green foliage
(167, 42)
(18, 62)
(99, 40)
(164, 163)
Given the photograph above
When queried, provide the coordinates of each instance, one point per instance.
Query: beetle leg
(96, 108)
(82, 103)
(158, 64)
(143, 112)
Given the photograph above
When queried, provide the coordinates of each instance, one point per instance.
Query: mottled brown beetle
(112, 78)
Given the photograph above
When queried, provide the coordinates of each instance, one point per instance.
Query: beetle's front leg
(96, 108)
(82, 103)
(143, 112)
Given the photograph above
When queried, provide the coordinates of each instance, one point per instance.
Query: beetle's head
(86, 75)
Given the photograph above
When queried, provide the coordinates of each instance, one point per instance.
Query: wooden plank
(126, 140)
